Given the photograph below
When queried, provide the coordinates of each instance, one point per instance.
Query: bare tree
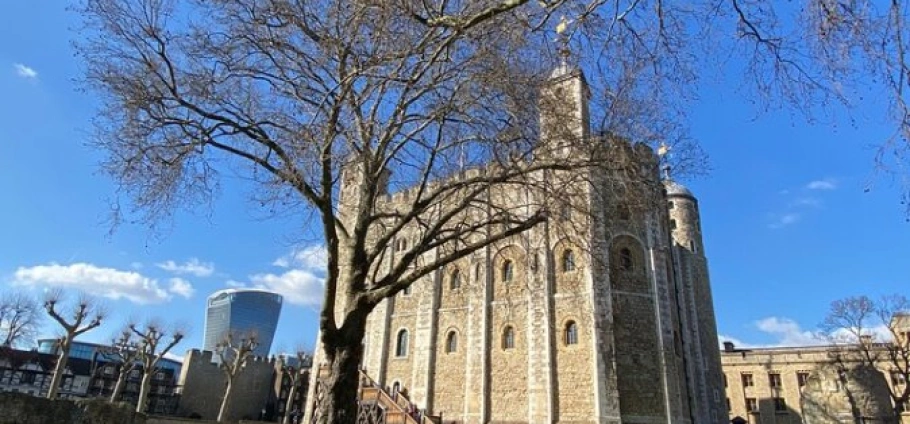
(82, 316)
(123, 350)
(20, 317)
(234, 351)
(875, 333)
(154, 341)
(295, 375)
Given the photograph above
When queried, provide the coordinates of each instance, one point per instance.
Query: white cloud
(788, 332)
(825, 184)
(298, 286)
(785, 332)
(302, 283)
(311, 257)
(181, 287)
(25, 71)
(785, 220)
(192, 266)
(98, 281)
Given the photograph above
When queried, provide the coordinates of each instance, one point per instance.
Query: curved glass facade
(242, 311)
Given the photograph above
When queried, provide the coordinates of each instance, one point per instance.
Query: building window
(477, 273)
(725, 379)
(747, 380)
(401, 348)
(774, 380)
(451, 342)
(568, 261)
(625, 259)
(802, 378)
(508, 338)
(507, 270)
(692, 246)
(780, 405)
(571, 333)
(729, 408)
(455, 280)
(670, 205)
(751, 405)
(897, 378)
(407, 290)
(672, 224)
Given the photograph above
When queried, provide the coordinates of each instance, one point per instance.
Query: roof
(676, 189)
(241, 290)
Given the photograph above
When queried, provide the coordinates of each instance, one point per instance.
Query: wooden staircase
(376, 406)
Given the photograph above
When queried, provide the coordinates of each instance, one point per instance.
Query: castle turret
(696, 305)
(564, 111)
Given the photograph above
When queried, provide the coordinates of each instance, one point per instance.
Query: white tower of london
(602, 314)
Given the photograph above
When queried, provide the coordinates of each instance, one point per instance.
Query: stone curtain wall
(20, 408)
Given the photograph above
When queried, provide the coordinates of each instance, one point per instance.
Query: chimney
(729, 347)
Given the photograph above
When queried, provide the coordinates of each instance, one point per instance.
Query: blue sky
(789, 225)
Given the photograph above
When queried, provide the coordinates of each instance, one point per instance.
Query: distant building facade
(30, 372)
(597, 317)
(796, 385)
(241, 311)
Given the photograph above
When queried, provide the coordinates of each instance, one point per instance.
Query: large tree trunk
(62, 357)
(344, 356)
(226, 400)
(118, 387)
(144, 391)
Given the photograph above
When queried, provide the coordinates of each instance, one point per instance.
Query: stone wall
(20, 408)
(203, 383)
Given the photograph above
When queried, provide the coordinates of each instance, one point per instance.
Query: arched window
(508, 338)
(407, 290)
(568, 261)
(452, 342)
(455, 280)
(625, 259)
(571, 333)
(507, 271)
(401, 348)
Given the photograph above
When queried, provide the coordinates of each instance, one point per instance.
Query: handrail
(397, 409)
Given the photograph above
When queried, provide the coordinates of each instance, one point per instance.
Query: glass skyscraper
(242, 311)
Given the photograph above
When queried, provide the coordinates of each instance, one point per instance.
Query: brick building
(603, 314)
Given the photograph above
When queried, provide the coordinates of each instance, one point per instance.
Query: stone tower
(698, 324)
(581, 319)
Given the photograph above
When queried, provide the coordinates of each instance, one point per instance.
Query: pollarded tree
(295, 375)
(20, 317)
(234, 351)
(874, 333)
(154, 341)
(123, 350)
(80, 317)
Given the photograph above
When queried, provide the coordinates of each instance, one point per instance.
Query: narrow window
(401, 348)
(672, 224)
(780, 405)
(507, 271)
(671, 205)
(774, 380)
(571, 333)
(451, 342)
(508, 338)
(455, 280)
(407, 290)
(802, 378)
(477, 273)
(564, 212)
(747, 380)
(568, 261)
(625, 259)
(751, 405)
